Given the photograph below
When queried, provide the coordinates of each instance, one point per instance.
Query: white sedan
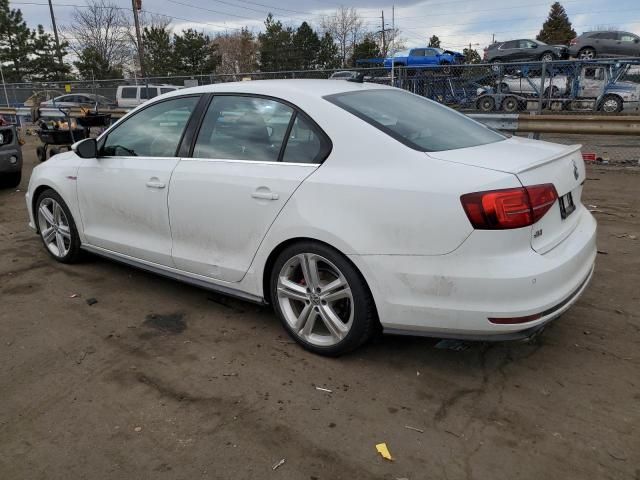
(347, 206)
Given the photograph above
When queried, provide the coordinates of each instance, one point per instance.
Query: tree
(158, 51)
(557, 29)
(346, 28)
(100, 33)
(434, 41)
(276, 46)
(306, 46)
(194, 53)
(16, 43)
(92, 64)
(367, 48)
(45, 65)
(237, 52)
(471, 55)
(328, 53)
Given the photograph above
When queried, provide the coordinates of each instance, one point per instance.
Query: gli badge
(576, 173)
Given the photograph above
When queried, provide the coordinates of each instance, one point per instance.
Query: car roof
(286, 89)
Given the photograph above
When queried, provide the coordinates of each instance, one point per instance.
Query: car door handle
(155, 184)
(261, 195)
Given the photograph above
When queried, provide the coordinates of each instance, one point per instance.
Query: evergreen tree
(306, 46)
(91, 64)
(367, 48)
(328, 53)
(194, 53)
(158, 51)
(471, 55)
(434, 41)
(45, 65)
(276, 46)
(557, 29)
(16, 43)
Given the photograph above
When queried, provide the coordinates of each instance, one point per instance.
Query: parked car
(10, 156)
(530, 85)
(429, 224)
(346, 75)
(41, 96)
(78, 100)
(424, 57)
(134, 95)
(591, 45)
(524, 50)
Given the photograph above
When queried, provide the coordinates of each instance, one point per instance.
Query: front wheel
(611, 104)
(57, 228)
(321, 299)
(486, 104)
(547, 57)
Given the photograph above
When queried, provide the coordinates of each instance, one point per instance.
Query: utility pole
(384, 41)
(137, 5)
(55, 33)
(393, 41)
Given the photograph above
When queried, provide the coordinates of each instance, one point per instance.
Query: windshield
(438, 50)
(419, 123)
(630, 74)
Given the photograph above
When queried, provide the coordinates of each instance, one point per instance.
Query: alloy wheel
(54, 227)
(587, 54)
(610, 105)
(315, 299)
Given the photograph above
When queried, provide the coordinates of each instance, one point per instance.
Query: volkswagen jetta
(347, 206)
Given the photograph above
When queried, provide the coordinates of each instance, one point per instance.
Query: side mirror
(534, 46)
(87, 148)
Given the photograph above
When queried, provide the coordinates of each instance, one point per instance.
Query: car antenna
(359, 78)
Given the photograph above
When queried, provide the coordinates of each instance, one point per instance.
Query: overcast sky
(456, 22)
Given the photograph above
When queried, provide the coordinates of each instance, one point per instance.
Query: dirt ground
(163, 380)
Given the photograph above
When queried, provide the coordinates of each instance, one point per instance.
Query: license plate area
(567, 207)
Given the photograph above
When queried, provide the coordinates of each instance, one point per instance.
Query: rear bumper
(6, 163)
(454, 295)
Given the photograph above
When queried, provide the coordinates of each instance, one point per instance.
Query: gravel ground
(162, 380)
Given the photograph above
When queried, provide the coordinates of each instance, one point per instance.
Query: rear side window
(243, 128)
(418, 123)
(148, 92)
(129, 92)
(305, 143)
(511, 44)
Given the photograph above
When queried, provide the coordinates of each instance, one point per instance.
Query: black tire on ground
(75, 254)
(53, 151)
(611, 104)
(486, 104)
(510, 104)
(587, 53)
(41, 153)
(365, 319)
(10, 180)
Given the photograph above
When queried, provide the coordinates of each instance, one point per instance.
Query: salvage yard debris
(278, 465)
(324, 389)
(384, 451)
(414, 429)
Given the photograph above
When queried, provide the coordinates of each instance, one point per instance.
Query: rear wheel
(486, 104)
(41, 153)
(510, 104)
(321, 299)
(587, 53)
(57, 228)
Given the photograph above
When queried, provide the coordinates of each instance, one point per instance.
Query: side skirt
(174, 274)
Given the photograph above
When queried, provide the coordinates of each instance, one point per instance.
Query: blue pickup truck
(424, 57)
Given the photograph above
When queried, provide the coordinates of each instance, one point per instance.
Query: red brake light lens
(508, 208)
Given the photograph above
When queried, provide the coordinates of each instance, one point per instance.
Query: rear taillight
(574, 41)
(508, 208)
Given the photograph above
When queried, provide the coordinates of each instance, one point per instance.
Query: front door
(250, 156)
(123, 193)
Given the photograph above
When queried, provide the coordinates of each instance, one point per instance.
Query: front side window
(508, 45)
(430, 53)
(243, 128)
(627, 37)
(152, 132)
(419, 123)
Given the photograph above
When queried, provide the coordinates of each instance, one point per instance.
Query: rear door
(250, 155)
(509, 51)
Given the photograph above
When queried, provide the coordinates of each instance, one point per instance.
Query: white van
(134, 95)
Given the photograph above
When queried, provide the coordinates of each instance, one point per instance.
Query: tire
(510, 104)
(327, 321)
(555, 92)
(587, 53)
(547, 57)
(611, 104)
(486, 104)
(11, 180)
(53, 151)
(41, 153)
(64, 231)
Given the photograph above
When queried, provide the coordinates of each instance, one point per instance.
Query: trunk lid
(535, 162)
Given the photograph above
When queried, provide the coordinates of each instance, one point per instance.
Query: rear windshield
(415, 121)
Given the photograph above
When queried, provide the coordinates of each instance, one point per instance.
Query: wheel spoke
(303, 318)
(47, 215)
(310, 323)
(309, 265)
(49, 234)
(292, 290)
(56, 212)
(337, 295)
(65, 232)
(336, 328)
(60, 244)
